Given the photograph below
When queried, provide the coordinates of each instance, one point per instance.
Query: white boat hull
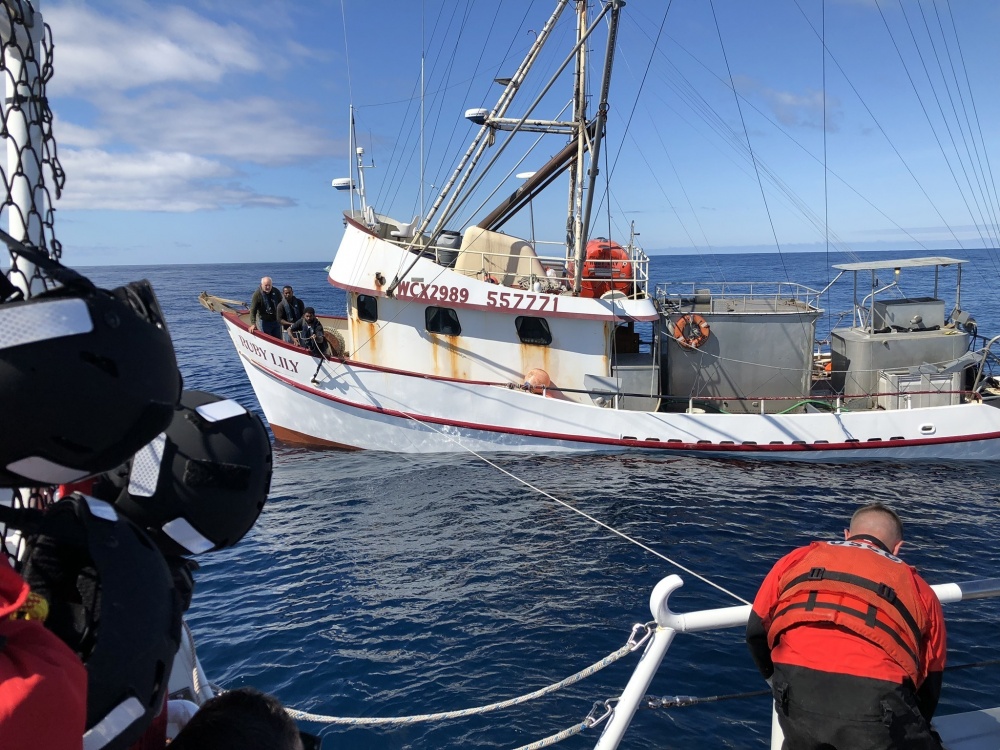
(350, 405)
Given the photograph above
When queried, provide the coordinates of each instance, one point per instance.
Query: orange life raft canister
(606, 269)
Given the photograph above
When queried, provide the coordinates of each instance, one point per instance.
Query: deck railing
(687, 293)
(557, 273)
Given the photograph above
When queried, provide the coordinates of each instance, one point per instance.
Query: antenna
(356, 160)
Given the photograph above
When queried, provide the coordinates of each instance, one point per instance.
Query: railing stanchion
(635, 690)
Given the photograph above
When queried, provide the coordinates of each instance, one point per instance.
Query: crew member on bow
(264, 308)
(290, 310)
(308, 331)
(852, 641)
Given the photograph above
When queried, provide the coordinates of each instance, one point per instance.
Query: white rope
(404, 720)
(558, 737)
(600, 523)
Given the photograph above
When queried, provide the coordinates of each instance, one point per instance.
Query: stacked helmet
(112, 600)
(200, 484)
(87, 377)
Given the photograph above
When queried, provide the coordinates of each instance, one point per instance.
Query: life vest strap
(884, 592)
(869, 616)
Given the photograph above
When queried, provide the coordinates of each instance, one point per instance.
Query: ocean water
(387, 585)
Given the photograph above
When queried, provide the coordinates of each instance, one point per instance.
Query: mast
(484, 137)
(351, 145)
(582, 195)
(495, 120)
(602, 117)
(574, 231)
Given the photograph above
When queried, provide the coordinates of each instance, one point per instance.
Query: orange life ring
(691, 330)
(490, 280)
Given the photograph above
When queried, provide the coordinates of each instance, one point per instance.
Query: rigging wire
(927, 116)
(890, 143)
(710, 117)
(977, 173)
(826, 175)
(944, 120)
(746, 135)
(972, 101)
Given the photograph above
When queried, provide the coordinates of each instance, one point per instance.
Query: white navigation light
(343, 183)
(477, 115)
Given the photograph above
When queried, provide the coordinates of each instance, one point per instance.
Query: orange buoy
(537, 381)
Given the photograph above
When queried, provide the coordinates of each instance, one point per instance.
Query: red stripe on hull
(707, 448)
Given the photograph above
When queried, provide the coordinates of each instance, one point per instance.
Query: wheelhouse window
(367, 308)
(533, 330)
(442, 320)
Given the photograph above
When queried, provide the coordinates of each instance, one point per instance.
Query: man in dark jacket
(290, 310)
(264, 308)
(308, 331)
(852, 641)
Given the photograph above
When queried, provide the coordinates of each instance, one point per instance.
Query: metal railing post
(635, 690)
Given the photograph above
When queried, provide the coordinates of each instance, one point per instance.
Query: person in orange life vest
(40, 677)
(852, 641)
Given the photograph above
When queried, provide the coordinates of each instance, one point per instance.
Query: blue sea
(388, 585)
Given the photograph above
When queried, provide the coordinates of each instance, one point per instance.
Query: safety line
(586, 515)
(404, 720)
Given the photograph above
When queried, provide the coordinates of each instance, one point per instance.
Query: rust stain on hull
(300, 438)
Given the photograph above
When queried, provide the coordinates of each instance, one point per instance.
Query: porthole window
(367, 308)
(533, 330)
(442, 320)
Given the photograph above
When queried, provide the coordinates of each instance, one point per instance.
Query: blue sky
(209, 131)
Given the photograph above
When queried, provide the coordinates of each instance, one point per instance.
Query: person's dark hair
(242, 719)
(286, 287)
(309, 310)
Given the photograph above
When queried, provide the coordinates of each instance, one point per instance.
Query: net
(31, 175)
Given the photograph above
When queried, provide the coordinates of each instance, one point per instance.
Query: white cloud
(253, 129)
(149, 45)
(150, 111)
(793, 109)
(71, 135)
(153, 181)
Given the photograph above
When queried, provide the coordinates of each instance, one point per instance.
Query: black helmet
(87, 376)
(200, 485)
(112, 600)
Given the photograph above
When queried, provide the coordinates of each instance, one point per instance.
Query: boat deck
(973, 730)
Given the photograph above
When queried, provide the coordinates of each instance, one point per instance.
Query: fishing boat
(463, 338)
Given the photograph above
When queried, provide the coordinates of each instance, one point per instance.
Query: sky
(209, 131)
